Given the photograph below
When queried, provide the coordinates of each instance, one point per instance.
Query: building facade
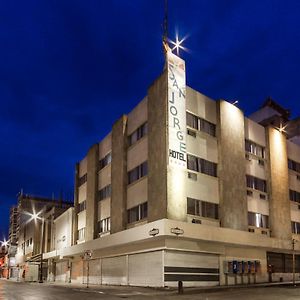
(35, 232)
(186, 188)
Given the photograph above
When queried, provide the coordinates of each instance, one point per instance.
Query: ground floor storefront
(198, 256)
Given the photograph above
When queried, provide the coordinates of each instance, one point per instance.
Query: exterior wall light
(177, 231)
(154, 232)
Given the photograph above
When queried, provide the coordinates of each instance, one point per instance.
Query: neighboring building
(35, 230)
(13, 225)
(185, 188)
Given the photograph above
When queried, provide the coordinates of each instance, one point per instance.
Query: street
(33, 291)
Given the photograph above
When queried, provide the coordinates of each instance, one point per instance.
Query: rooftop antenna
(165, 33)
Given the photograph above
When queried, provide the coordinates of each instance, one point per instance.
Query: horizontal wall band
(191, 270)
(188, 277)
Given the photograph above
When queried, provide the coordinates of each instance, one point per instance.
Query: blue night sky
(69, 69)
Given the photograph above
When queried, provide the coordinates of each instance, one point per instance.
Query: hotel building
(186, 188)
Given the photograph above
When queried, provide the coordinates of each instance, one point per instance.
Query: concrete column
(231, 168)
(278, 184)
(119, 175)
(91, 193)
(157, 149)
(75, 218)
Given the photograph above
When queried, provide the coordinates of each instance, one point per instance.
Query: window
(254, 148)
(138, 172)
(30, 242)
(104, 193)
(81, 206)
(201, 208)
(294, 196)
(104, 161)
(256, 183)
(27, 243)
(82, 179)
(200, 124)
(201, 165)
(295, 227)
(81, 234)
(137, 213)
(258, 220)
(104, 225)
(295, 166)
(138, 134)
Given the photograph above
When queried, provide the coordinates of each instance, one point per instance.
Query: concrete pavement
(10, 290)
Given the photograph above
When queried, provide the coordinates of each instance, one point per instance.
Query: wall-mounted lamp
(177, 231)
(154, 232)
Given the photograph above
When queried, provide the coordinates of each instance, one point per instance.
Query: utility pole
(293, 243)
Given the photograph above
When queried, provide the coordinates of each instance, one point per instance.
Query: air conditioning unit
(196, 221)
(192, 176)
(192, 133)
(247, 156)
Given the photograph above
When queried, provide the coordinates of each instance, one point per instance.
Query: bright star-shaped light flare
(178, 44)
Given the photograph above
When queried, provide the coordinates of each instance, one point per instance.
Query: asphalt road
(21, 291)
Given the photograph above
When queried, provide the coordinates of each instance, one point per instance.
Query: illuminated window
(81, 234)
(256, 183)
(202, 208)
(295, 227)
(104, 161)
(201, 165)
(200, 124)
(137, 213)
(254, 148)
(258, 220)
(104, 225)
(138, 134)
(138, 172)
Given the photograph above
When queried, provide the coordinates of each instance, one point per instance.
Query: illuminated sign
(176, 111)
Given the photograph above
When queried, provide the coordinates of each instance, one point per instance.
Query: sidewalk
(118, 290)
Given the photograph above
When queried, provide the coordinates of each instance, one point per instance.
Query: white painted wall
(206, 188)
(81, 219)
(137, 193)
(63, 229)
(83, 167)
(82, 193)
(104, 177)
(105, 146)
(255, 132)
(137, 153)
(203, 146)
(137, 116)
(201, 105)
(104, 209)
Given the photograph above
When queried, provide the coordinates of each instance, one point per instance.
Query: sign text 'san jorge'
(176, 111)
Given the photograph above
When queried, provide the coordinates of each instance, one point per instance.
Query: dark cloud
(69, 69)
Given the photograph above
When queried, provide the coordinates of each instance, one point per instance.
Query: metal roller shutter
(194, 269)
(145, 269)
(114, 270)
